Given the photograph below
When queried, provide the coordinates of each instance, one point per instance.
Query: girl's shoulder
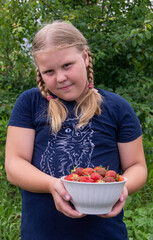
(30, 96)
(113, 100)
(31, 92)
(27, 108)
(111, 96)
(115, 109)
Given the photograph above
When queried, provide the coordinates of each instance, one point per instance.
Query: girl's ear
(86, 57)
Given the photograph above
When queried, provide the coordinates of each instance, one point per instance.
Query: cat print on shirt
(70, 148)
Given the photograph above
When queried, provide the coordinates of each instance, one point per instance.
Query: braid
(43, 89)
(90, 68)
(91, 103)
(57, 111)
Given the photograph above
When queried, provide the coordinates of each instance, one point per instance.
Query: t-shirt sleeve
(129, 127)
(22, 114)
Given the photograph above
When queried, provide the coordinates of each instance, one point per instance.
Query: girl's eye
(67, 65)
(49, 72)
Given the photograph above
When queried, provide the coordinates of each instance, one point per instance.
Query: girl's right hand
(62, 199)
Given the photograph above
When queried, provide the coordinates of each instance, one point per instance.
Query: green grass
(10, 198)
(138, 213)
(10, 209)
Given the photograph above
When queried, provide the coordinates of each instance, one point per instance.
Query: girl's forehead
(60, 56)
(57, 52)
(55, 48)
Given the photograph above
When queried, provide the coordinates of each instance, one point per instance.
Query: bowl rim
(93, 183)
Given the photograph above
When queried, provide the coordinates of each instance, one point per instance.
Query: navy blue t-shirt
(56, 155)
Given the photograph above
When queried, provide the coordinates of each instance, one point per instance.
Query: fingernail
(66, 197)
(122, 199)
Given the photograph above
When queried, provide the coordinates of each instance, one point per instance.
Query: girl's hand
(62, 199)
(118, 205)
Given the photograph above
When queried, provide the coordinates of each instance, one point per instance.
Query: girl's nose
(60, 76)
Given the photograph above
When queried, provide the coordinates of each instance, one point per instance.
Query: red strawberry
(111, 173)
(96, 176)
(88, 171)
(120, 178)
(72, 177)
(78, 171)
(85, 179)
(108, 179)
(95, 168)
(101, 171)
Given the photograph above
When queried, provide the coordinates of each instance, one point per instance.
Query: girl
(66, 122)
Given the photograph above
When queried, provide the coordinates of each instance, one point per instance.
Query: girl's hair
(60, 35)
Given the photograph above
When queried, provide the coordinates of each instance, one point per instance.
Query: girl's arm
(133, 164)
(20, 171)
(134, 169)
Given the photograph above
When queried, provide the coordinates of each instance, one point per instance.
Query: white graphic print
(70, 147)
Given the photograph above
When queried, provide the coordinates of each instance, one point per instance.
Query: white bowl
(94, 198)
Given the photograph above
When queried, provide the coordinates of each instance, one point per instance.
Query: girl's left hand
(118, 205)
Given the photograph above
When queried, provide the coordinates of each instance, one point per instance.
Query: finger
(124, 194)
(69, 211)
(118, 205)
(62, 201)
(66, 208)
(60, 189)
(63, 205)
(115, 210)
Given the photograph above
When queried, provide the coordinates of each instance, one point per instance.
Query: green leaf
(141, 36)
(134, 43)
(149, 26)
(1, 210)
(148, 34)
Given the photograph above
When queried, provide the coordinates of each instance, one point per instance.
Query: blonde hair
(62, 35)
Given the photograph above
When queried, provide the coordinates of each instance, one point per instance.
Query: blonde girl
(63, 123)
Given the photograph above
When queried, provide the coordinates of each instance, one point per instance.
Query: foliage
(141, 98)
(10, 211)
(120, 35)
(139, 217)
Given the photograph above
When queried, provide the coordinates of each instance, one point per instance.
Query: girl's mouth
(66, 87)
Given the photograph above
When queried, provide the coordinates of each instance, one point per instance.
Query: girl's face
(64, 72)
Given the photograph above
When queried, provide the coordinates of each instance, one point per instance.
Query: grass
(10, 209)
(10, 198)
(138, 213)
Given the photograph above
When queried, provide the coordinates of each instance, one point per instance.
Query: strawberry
(72, 177)
(78, 171)
(120, 178)
(111, 173)
(85, 179)
(101, 171)
(96, 168)
(108, 179)
(96, 176)
(88, 171)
